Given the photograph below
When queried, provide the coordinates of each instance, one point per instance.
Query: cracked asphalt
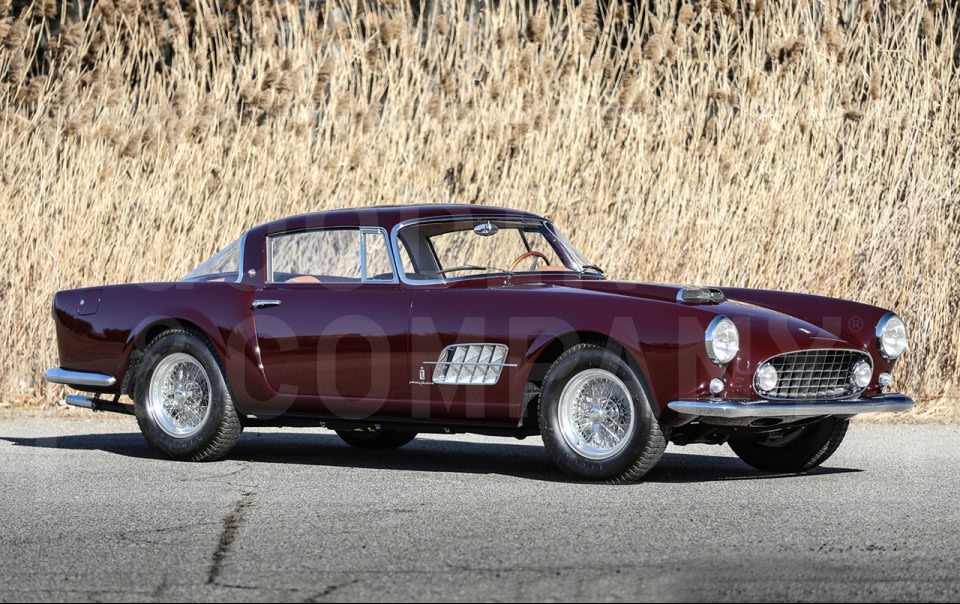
(89, 513)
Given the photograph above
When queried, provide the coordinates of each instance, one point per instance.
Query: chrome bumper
(57, 375)
(886, 403)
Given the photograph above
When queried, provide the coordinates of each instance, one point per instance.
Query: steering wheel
(526, 255)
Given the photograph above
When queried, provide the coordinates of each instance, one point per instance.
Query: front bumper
(724, 409)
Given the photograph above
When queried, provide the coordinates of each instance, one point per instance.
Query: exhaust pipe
(98, 404)
(766, 422)
(84, 402)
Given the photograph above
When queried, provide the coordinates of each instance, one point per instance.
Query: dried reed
(790, 145)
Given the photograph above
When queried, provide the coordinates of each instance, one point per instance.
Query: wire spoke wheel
(179, 396)
(596, 414)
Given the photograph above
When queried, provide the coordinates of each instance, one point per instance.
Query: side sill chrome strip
(56, 375)
(887, 403)
(470, 364)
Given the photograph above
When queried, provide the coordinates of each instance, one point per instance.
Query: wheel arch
(150, 329)
(544, 353)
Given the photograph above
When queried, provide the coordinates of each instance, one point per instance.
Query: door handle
(264, 304)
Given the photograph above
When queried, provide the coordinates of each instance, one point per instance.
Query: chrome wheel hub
(179, 397)
(596, 414)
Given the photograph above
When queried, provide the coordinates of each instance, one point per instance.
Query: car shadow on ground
(521, 460)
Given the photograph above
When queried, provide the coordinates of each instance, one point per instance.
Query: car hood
(756, 323)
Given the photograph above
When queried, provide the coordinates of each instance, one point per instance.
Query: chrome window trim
(243, 250)
(365, 230)
(363, 255)
(854, 395)
(879, 334)
(361, 229)
(394, 243)
(561, 238)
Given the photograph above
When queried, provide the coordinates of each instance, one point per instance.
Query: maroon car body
(359, 353)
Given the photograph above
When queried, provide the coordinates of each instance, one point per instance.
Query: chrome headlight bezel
(891, 320)
(716, 353)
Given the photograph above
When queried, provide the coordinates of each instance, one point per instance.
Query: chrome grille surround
(820, 374)
(470, 364)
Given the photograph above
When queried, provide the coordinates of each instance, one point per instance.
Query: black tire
(375, 439)
(222, 427)
(798, 451)
(644, 448)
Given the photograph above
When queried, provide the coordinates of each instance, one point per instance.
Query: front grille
(823, 374)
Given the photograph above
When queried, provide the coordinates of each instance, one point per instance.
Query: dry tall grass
(793, 145)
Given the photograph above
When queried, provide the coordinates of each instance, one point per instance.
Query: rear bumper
(79, 379)
(723, 409)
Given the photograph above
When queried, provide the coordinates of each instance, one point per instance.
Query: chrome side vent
(470, 364)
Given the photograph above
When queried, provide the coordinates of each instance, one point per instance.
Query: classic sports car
(382, 323)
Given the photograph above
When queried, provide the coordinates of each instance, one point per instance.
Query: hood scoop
(700, 295)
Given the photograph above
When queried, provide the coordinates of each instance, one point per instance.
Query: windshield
(224, 266)
(451, 249)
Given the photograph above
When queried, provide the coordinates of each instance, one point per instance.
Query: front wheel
(181, 399)
(596, 419)
(797, 450)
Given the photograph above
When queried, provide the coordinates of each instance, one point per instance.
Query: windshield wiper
(471, 267)
(594, 267)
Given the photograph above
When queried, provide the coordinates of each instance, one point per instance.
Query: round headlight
(891, 336)
(722, 340)
(766, 378)
(862, 372)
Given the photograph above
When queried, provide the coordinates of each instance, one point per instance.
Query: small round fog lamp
(862, 372)
(766, 378)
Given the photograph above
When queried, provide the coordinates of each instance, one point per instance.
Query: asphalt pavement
(89, 513)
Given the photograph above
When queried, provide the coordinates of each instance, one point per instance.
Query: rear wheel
(181, 399)
(375, 439)
(596, 419)
(797, 450)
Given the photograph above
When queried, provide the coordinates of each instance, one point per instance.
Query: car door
(332, 322)
(466, 345)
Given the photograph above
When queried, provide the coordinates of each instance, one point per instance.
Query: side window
(321, 256)
(377, 255)
(225, 266)
(405, 259)
(536, 240)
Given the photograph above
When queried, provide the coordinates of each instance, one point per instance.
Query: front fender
(664, 340)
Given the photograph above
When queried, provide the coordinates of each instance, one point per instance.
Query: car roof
(387, 217)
